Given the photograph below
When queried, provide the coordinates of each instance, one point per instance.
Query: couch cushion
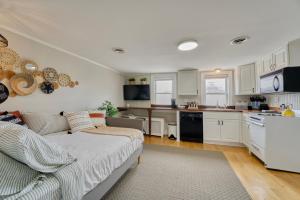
(13, 117)
(32, 149)
(43, 124)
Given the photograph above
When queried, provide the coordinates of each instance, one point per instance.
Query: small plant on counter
(109, 108)
(143, 80)
(131, 81)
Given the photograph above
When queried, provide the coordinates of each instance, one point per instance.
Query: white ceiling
(149, 30)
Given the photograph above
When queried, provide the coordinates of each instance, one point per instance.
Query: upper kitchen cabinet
(188, 82)
(246, 79)
(282, 57)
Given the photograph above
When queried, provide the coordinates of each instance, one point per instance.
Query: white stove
(259, 118)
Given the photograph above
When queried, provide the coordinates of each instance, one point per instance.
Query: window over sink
(216, 88)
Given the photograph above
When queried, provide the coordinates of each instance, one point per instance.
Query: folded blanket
(116, 131)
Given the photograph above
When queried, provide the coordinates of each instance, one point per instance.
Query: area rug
(169, 173)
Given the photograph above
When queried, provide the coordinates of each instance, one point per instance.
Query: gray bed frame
(101, 189)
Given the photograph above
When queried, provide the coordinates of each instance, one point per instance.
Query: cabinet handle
(218, 122)
(222, 123)
(252, 90)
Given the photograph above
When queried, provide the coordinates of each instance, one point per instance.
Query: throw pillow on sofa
(79, 121)
(43, 124)
(98, 117)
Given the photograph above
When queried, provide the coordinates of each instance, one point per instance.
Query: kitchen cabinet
(247, 79)
(221, 127)
(258, 72)
(288, 55)
(188, 82)
(245, 131)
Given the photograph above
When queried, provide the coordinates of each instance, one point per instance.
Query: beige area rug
(169, 173)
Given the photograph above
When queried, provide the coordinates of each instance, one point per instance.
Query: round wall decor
(29, 66)
(3, 93)
(8, 58)
(64, 80)
(50, 74)
(23, 84)
(47, 87)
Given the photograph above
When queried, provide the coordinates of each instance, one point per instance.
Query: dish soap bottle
(288, 112)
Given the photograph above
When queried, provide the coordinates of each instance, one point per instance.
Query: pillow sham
(98, 117)
(13, 117)
(44, 124)
(79, 120)
(14, 175)
(32, 149)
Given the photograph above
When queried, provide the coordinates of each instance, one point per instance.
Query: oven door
(258, 139)
(271, 83)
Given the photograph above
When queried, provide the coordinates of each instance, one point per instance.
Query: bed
(102, 158)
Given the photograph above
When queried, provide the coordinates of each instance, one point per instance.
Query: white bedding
(98, 155)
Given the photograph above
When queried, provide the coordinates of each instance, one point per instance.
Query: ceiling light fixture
(118, 50)
(3, 41)
(218, 70)
(187, 45)
(239, 40)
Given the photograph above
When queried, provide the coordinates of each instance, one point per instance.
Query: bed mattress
(98, 155)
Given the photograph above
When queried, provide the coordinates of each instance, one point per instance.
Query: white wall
(96, 84)
(276, 100)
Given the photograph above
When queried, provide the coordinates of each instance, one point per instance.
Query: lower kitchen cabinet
(222, 128)
(245, 133)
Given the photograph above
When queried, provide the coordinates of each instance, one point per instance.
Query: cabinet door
(247, 79)
(280, 58)
(245, 133)
(267, 62)
(230, 130)
(188, 82)
(258, 72)
(211, 129)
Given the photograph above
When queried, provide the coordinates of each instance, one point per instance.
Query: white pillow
(32, 149)
(15, 176)
(79, 120)
(43, 124)
(98, 117)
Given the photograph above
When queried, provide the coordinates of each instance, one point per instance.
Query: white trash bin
(172, 131)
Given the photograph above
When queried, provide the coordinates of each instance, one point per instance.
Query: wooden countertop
(185, 110)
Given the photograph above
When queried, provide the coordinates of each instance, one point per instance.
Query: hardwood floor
(260, 182)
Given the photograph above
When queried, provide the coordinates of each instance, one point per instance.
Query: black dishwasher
(191, 126)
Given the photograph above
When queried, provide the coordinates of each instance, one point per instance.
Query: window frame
(162, 77)
(211, 75)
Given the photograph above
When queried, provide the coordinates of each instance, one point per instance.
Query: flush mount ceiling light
(187, 45)
(217, 70)
(3, 41)
(239, 40)
(118, 50)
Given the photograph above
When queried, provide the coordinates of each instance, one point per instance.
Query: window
(163, 88)
(216, 92)
(217, 88)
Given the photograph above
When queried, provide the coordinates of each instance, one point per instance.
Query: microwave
(283, 80)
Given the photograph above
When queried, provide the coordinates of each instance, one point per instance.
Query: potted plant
(110, 109)
(143, 81)
(131, 81)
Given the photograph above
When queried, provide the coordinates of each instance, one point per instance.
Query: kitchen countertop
(188, 110)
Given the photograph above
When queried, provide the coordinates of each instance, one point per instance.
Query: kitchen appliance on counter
(191, 126)
(283, 80)
(275, 140)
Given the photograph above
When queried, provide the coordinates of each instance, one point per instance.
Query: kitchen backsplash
(276, 100)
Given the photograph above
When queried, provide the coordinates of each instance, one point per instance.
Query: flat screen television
(136, 92)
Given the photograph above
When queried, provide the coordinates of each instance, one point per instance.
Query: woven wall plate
(47, 87)
(29, 66)
(8, 58)
(3, 93)
(56, 85)
(72, 84)
(50, 74)
(64, 80)
(23, 84)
